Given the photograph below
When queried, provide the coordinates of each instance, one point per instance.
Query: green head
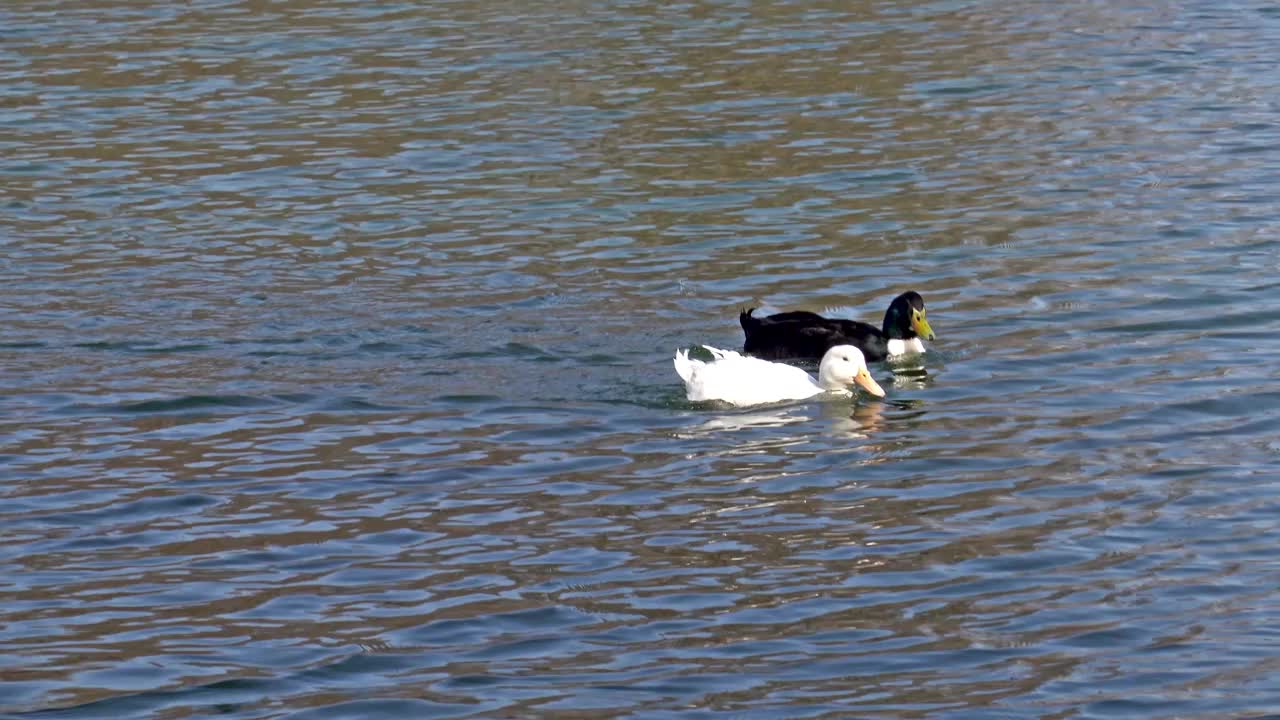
(906, 319)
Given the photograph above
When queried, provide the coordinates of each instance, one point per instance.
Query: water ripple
(336, 382)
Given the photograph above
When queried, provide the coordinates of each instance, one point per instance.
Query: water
(335, 368)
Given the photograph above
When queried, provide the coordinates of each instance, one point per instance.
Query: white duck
(740, 380)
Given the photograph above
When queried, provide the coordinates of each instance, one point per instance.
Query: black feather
(800, 334)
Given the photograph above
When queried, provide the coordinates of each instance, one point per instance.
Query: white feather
(740, 380)
(902, 347)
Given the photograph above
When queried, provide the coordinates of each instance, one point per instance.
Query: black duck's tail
(748, 321)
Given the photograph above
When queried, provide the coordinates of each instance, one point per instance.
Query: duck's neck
(827, 382)
(896, 325)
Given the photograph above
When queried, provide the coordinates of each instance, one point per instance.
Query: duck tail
(717, 353)
(748, 321)
(684, 366)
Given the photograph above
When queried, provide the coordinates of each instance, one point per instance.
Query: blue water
(335, 371)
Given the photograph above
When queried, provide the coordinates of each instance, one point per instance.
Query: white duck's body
(740, 380)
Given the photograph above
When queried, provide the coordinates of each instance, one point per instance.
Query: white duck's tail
(684, 366)
(718, 354)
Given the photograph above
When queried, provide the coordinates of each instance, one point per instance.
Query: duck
(740, 380)
(803, 335)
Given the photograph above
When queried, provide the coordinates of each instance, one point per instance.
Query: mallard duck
(806, 335)
(740, 380)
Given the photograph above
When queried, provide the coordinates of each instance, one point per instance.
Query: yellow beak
(921, 326)
(868, 383)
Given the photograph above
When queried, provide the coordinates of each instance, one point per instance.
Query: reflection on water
(335, 369)
(839, 415)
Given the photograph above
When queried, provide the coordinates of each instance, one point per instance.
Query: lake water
(335, 372)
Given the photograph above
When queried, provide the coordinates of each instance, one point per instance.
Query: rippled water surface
(335, 371)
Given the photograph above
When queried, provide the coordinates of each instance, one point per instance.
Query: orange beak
(868, 383)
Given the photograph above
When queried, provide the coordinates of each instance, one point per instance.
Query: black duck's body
(803, 335)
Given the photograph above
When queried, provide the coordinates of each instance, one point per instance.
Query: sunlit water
(336, 343)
